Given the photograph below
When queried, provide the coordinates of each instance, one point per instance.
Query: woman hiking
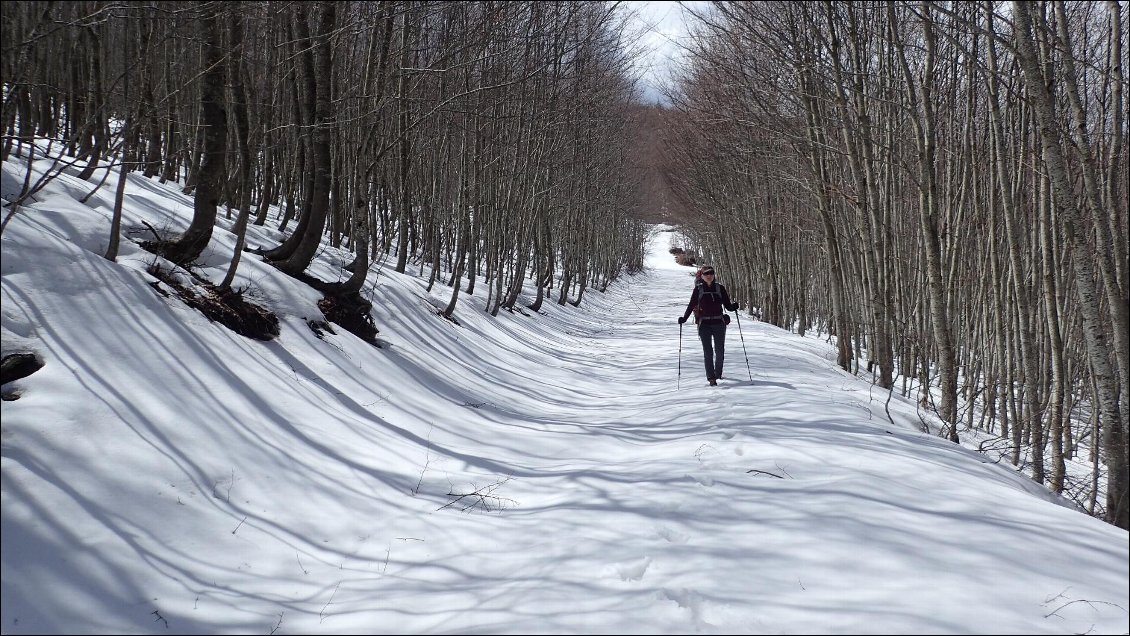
(708, 300)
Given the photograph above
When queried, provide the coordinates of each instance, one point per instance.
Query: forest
(940, 187)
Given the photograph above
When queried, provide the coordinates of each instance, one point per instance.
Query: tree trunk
(213, 169)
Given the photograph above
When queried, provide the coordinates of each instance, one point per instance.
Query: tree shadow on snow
(738, 383)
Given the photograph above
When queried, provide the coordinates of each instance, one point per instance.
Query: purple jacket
(713, 299)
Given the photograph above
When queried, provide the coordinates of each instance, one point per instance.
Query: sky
(568, 471)
(662, 28)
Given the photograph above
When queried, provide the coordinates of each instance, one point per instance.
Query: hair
(706, 269)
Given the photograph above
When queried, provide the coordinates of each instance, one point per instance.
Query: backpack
(700, 289)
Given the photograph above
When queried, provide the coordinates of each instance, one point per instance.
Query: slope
(547, 473)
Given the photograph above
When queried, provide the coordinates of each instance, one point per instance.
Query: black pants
(713, 336)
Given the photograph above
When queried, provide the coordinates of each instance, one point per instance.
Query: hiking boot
(713, 382)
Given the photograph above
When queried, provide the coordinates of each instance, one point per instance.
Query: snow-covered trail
(785, 504)
(514, 474)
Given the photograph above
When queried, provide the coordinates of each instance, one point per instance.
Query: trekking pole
(679, 381)
(738, 314)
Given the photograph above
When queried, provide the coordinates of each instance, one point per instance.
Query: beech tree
(478, 139)
(940, 188)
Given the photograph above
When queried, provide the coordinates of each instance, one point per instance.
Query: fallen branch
(762, 472)
(481, 498)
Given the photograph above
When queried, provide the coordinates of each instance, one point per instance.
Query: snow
(560, 472)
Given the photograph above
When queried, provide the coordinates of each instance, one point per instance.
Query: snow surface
(562, 472)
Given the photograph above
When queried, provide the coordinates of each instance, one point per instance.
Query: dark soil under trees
(229, 307)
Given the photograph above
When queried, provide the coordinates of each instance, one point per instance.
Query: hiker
(708, 300)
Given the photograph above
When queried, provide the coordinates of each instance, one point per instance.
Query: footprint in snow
(671, 536)
(703, 480)
(633, 570)
(688, 600)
